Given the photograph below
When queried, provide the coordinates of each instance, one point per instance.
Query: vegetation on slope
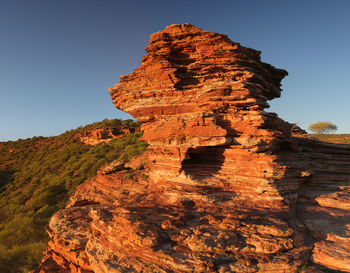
(333, 138)
(37, 176)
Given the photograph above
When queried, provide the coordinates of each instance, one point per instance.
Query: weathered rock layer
(104, 134)
(226, 186)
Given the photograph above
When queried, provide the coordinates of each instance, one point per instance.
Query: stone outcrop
(223, 187)
(103, 134)
(324, 202)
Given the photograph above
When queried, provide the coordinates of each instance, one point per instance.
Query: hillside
(333, 138)
(37, 176)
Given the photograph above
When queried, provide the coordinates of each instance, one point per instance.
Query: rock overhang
(223, 187)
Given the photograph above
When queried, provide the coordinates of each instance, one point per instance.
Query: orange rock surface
(104, 134)
(223, 187)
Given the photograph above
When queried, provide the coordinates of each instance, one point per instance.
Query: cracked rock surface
(223, 186)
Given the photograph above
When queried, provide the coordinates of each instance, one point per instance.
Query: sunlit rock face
(201, 97)
(223, 187)
(104, 134)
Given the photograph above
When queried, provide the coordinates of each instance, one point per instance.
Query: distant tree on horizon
(323, 127)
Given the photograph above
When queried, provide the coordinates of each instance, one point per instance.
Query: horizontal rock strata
(324, 202)
(223, 187)
(104, 134)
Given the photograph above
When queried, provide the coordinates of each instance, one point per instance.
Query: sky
(58, 57)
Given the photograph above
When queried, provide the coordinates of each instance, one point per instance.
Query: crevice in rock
(82, 203)
(203, 161)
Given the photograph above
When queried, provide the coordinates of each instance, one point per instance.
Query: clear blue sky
(57, 57)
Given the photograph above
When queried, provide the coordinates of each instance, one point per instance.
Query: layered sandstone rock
(223, 187)
(104, 134)
(324, 202)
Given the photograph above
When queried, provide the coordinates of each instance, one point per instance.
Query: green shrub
(37, 176)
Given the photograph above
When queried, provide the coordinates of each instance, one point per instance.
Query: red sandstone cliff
(225, 186)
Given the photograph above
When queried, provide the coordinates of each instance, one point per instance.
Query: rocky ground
(223, 187)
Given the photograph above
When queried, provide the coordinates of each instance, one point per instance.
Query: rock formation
(103, 134)
(225, 186)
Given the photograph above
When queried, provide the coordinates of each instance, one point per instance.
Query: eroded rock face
(104, 134)
(324, 203)
(224, 186)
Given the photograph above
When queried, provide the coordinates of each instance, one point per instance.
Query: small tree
(322, 127)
